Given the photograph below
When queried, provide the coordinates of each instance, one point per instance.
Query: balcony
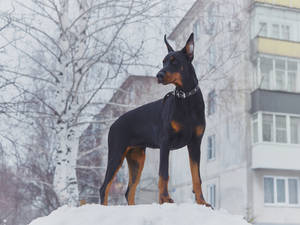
(275, 101)
(284, 3)
(272, 46)
(275, 156)
(275, 139)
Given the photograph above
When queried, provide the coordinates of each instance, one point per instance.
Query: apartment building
(247, 55)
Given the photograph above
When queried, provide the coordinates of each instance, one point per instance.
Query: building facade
(247, 55)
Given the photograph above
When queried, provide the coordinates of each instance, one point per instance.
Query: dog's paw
(203, 202)
(165, 199)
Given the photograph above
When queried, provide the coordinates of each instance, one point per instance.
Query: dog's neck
(189, 83)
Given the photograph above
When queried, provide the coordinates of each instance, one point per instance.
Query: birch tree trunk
(65, 180)
(68, 102)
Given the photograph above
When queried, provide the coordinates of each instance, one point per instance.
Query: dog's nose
(160, 76)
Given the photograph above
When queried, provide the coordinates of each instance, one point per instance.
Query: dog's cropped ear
(170, 49)
(189, 48)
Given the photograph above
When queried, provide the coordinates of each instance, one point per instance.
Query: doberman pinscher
(171, 123)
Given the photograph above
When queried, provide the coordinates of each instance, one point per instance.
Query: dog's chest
(186, 121)
(182, 130)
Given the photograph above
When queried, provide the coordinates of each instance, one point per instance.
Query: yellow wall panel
(287, 3)
(278, 47)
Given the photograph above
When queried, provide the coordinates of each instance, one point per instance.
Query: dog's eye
(174, 61)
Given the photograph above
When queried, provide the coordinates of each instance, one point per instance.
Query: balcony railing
(275, 156)
(275, 101)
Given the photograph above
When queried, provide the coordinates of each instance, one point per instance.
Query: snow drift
(166, 214)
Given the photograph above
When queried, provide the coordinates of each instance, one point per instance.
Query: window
(280, 185)
(255, 128)
(211, 102)
(281, 190)
(275, 128)
(211, 195)
(263, 29)
(211, 147)
(281, 131)
(196, 29)
(267, 124)
(278, 73)
(268, 190)
(292, 75)
(285, 32)
(293, 191)
(281, 31)
(266, 68)
(275, 31)
(295, 130)
(212, 56)
(212, 13)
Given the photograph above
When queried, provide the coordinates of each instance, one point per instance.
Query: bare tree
(4, 82)
(73, 49)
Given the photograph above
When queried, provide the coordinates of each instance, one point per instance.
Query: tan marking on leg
(136, 155)
(176, 126)
(197, 188)
(109, 184)
(82, 202)
(199, 130)
(163, 191)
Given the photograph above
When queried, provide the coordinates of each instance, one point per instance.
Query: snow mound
(166, 214)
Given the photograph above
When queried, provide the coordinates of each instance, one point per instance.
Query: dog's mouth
(164, 82)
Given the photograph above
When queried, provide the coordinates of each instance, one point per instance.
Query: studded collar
(182, 94)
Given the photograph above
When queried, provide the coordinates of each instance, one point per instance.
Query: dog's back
(138, 126)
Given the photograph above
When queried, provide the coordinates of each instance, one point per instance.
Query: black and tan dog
(171, 123)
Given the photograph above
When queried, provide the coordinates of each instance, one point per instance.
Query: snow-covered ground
(166, 214)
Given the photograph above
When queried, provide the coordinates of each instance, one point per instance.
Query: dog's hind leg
(116, 155)
(135, 158)
(112, 168)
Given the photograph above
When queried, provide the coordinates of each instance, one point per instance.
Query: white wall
(276, 156)
(272, 214)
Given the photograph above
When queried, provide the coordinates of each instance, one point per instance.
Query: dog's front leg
(164, 174)
(194, 155)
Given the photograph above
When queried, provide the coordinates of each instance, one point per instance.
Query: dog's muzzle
(160, 77)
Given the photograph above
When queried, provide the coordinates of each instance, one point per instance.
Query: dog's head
(177, 66)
